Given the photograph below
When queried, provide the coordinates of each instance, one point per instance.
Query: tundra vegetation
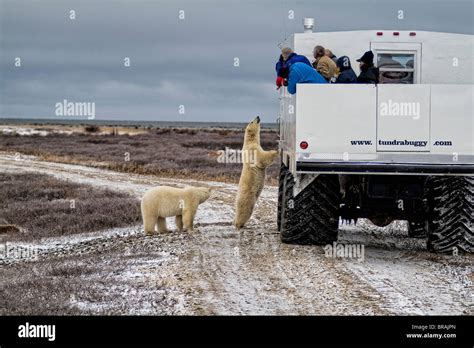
(172, 152)
(43, 206)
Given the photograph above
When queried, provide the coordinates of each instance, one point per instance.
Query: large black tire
(281, 189)
(312, 217)
(451, 207)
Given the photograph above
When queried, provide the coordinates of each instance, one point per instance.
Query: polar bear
(252, 179)
(161, 202)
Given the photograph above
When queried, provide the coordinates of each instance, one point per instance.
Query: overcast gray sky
(176, 62)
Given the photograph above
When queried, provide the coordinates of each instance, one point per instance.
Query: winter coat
(279, 64)
(369, 75)
(292, 58)
(302, 73)
(326, 67)
(346, 75)
(296, 58)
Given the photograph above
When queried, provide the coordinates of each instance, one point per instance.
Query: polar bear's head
(252, 131)
(203, 193)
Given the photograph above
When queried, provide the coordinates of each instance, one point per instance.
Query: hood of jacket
(344, 63)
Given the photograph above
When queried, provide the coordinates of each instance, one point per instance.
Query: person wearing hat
(288, 57)
(368, 72)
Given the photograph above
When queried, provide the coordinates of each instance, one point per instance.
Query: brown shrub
(43, 206)
(91, 128)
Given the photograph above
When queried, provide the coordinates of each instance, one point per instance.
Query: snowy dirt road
(218, 270)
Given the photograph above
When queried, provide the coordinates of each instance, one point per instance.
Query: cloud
(176, 62)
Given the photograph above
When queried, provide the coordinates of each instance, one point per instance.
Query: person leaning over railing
(300, 73)
(287, 58)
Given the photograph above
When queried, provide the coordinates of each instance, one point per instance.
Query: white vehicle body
(422, 124)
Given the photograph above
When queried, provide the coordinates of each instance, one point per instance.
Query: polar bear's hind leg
(244, 209)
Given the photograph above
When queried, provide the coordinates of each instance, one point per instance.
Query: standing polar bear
(252, 178)
(161, 202)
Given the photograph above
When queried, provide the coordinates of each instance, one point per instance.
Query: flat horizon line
(113, 120)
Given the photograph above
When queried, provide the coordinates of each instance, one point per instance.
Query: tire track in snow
(251, 272)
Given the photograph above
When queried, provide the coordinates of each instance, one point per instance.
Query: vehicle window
(396, 67)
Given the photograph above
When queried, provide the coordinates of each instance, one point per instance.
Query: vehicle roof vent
(308, 24)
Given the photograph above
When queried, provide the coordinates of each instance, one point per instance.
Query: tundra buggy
(402, 149)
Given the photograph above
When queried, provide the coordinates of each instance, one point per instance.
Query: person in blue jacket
(287, 58)
(301, 73)
(346, 75)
